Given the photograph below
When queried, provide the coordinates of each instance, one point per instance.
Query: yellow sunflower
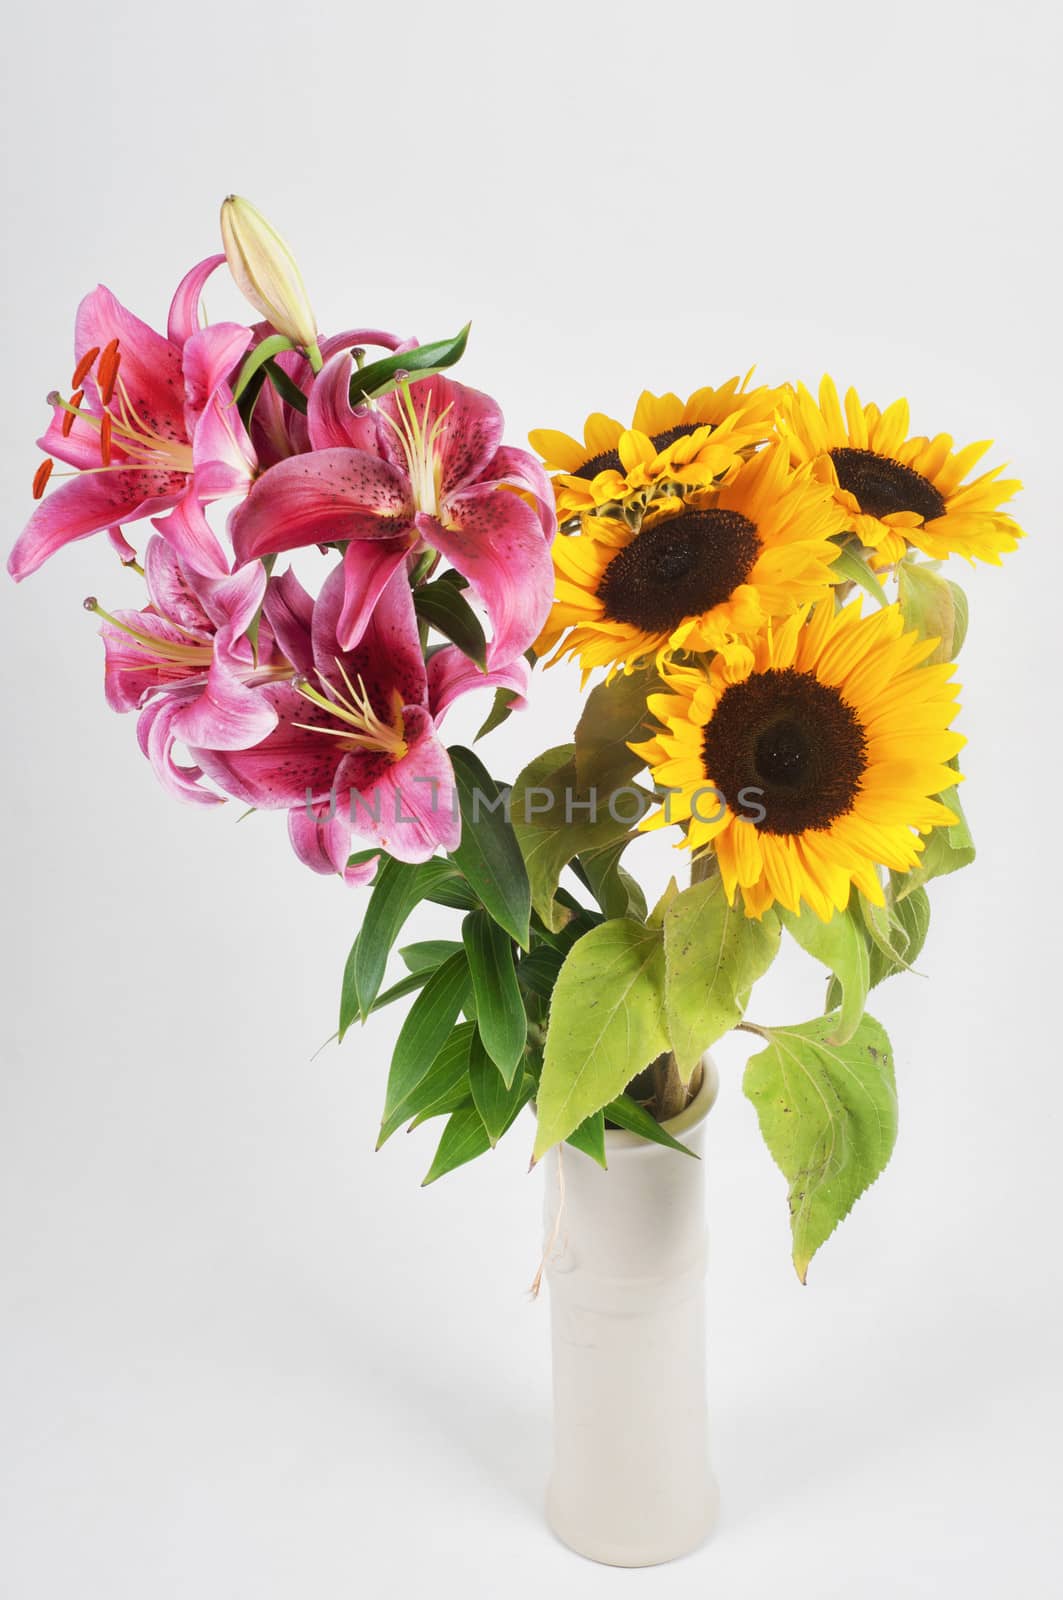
(896, 490)
(693, 442)
(697, 571)
(809, 759)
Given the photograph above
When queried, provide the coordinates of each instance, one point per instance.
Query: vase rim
(621, 1139)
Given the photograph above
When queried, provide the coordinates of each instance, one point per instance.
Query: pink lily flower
(423, 468)
(185, 663)
(355, 751)
(150, 428)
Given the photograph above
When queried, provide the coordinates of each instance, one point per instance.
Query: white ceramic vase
(625, 1257)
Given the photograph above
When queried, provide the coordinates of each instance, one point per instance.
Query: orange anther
(41, 476)
(107, 371)
(81, 371)
(69, 419)
(105, 439)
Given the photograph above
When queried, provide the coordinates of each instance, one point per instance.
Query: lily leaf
(264, 351)
(488, 855)
(381, 377)
(589, 1138)
(627, 1113)
(494, 1098)
(828, 1114)
(499, 1008)
(397, 888)
(446, 609)
(448, 1075)
(425, 1031)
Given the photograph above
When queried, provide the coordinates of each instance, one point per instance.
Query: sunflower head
(897, 490)
(809, 758)
(696, 568)
(693, 442)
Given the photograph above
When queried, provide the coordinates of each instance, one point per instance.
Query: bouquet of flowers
(753, 574)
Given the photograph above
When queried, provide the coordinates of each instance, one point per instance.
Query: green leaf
(854, 569)
(538, 971)
(501, 709)
(841, 945)
(935, 606)
(945, 850)
(446, 609)
(447, 1076)
(398, 887)
(257, 358)
(464, 1138)
(429, 953)
(615, 890)
(488, 854)
(453, 892)
(606, 1024)
(615, 713)
(664, 904)
(589, 1137)
(499, 1007)
(398, 991)
(381, 377)
(494, 1098)
(910, 922)
(426, 1029)
(714, 954)
(627, 1113)
(286, 387)
(554, 822)
(828, 1114)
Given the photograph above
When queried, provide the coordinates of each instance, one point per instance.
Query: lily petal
(150, 366)
(368, 568)
(289, 610)
(323, 843)
(88, 504)
(330, 418)
(520, 468)
(315, 499)
(156, 740)
(187, 530)
(471, 431)
(183, 320)
(451, 674)
(411, 809)
(495, 540)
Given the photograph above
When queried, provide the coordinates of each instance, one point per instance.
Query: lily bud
(265, 271)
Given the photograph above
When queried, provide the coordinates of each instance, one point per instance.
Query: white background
(243, 1356)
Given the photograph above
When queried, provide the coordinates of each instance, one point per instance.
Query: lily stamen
(363, 729)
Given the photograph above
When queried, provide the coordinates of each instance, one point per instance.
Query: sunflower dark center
(679, 567)
(605, 461)
(793, 739)
(881, 485)
(682, 430)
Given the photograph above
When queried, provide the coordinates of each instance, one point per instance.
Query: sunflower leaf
(934, 606)
(828, 1114)
(555, 821)
(606, 1024)
(841, 944)
(615, 713)
(852, 567)
(713, 955)
(946, 850)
